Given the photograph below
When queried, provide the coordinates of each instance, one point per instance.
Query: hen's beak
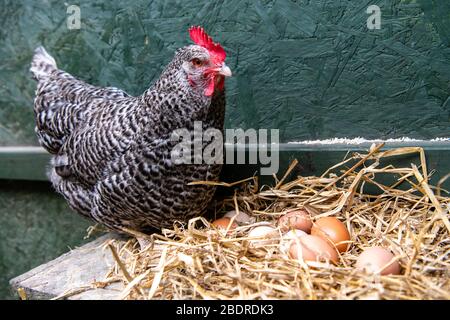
(225, 71)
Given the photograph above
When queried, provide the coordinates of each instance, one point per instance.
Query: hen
(112, 151)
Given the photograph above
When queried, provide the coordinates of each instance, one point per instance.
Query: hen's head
(204, 63)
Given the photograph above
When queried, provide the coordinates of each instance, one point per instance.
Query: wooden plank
(78, 268)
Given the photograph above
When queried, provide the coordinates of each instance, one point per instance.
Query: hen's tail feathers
(42, 64)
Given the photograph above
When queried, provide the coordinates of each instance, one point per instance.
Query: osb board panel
(310, 68)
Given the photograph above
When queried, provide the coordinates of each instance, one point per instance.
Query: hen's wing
(82, 125)
(62, 101)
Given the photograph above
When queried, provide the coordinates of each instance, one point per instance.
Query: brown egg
(332, 230)
(298, 219)
(289, 237)
(223, 223)
(313, 248)
(378, 260)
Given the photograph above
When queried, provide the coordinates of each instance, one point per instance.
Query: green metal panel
(30, 163)
(310, 68)
(315, 159)
(23, 163)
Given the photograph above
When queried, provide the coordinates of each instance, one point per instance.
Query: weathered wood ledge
(76, 269)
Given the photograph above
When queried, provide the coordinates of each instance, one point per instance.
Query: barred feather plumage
(111, 151)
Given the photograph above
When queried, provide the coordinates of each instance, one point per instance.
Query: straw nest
(408, 216)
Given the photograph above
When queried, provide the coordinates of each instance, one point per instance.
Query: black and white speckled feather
(111, 151)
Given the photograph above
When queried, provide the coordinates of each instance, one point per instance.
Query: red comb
(200, 37)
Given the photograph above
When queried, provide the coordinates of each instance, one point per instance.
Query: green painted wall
(310, 68)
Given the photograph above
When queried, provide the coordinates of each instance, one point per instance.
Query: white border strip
(360, 140)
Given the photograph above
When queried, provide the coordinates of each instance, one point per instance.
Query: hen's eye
(196, 62)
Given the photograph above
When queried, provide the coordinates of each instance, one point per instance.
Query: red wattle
(221, 84)
(210, 89)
